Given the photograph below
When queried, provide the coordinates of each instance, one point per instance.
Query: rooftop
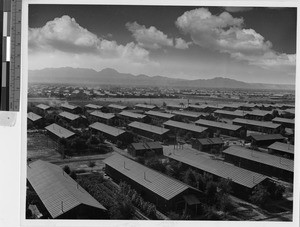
(149, 128)
(132, 115)
(236, 113)
(159, 114)
(284, 120)
(260, 113)
(69, 116)
(100, 114)
(185, 126)
(284, 147)
(216, 167)
(156, 182)
(208, 141)
(266, 124)
(56, 189)
(107, 129)
(260, 157)
(260, 137)
(146, 145)
(187, 114)
(69, 106)
(33, 117)
(217, 124)
(93, 106)
(145, 106)
(43, 106)
(115, 106)
(59, 131)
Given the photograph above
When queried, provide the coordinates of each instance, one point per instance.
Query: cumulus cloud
(64, 34)
(225, 33)
(237, 9)
(181, 43)
(152, 38)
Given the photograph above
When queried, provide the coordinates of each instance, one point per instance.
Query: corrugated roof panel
(100, 114)
(266, 124)
(93, 106)
(260, 137)
(115, 106)
(33, 117)
(216, 124)
(284, 147)
(107, 129)
(69, 106)
(185, 126)
(149, 128)
(260, 157)
(145, 106)
(43, 106)
(283, 120)
(160, 114)
(132, 115)
(219, 168)
(56, 189)
(59, 131)
(156, 182)
(69, 116)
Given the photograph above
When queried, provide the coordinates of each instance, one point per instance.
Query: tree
(210, 192)
(92, 164)
(67, 169)
(156, 164)
(260, 195)
(190, 178)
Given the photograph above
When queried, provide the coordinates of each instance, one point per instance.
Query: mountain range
(108, 76)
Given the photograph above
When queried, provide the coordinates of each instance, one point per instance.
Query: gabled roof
(107, 129)
(100, 114)
(69, 116)
(159, 114)
(57, 190)
(185, 126)
(132, 115)
(145, 106)
(43, 106)
(154, 181)
(236, 113)
(284, 120)
(59, 131)
(266, 124)
(217, 124)
(259, 113)
(218, 168)
(33, 117)
(148, 128)
(93, 106)
(187, 114)
(283, 147)
(211, 141)
(260, 157)
(115, 106)
(178, 106)
(69, 106)
(260, 137)
(147, 146)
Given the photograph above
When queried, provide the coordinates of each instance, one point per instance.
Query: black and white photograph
(160, 112)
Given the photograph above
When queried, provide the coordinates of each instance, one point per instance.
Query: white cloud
(152, 38)
(237, 9)
(181, 44)
(64, 34)
(226, 34)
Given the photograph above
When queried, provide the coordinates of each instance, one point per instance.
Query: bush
(260, 195)
(67, 169)
(92, 164)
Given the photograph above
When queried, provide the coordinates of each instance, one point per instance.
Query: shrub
(67, 169)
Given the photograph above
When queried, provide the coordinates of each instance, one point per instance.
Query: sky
(251, 44)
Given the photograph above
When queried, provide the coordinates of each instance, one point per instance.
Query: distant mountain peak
(109, 76)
